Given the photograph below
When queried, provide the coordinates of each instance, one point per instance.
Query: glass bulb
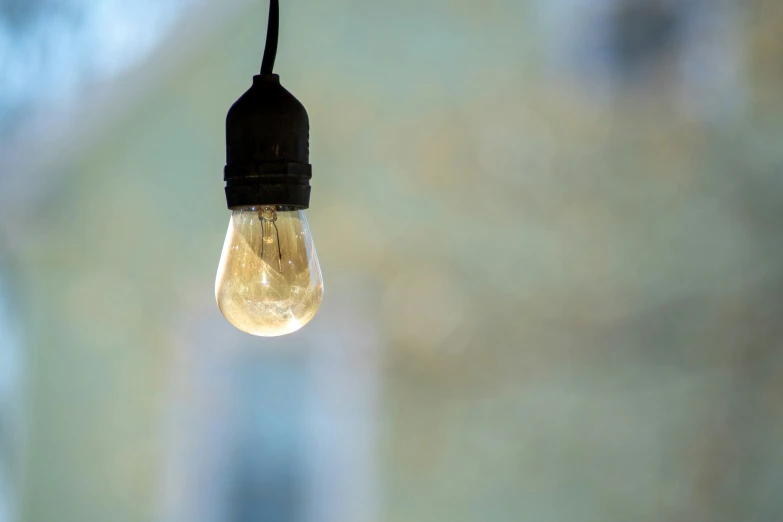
(269, 282)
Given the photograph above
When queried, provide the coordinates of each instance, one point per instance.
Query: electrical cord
(272, 32)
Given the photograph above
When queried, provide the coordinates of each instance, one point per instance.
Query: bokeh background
(550, 236)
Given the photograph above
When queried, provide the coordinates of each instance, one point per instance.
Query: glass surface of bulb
(269, 282)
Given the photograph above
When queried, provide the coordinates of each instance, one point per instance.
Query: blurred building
(549, 234)
(12, 445)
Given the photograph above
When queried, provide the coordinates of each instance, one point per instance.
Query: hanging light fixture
(268, 282)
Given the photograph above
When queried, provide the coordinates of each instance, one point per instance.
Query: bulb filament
(268, 216)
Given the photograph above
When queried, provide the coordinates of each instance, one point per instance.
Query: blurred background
(549, 232)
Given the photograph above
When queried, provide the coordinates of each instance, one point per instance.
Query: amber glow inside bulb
(269, 282)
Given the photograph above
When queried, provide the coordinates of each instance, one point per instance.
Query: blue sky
(49, 53)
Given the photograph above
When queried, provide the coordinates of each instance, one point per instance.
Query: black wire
(272, 32)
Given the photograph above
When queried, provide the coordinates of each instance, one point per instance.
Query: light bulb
(268, 282)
